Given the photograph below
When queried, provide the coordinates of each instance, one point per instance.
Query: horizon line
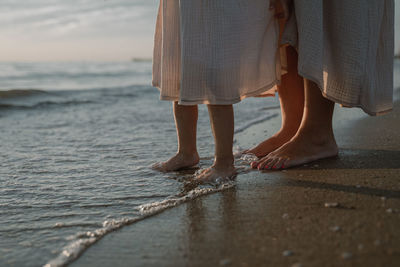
(135, 59)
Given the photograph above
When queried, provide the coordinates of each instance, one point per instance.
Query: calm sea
(76, 143)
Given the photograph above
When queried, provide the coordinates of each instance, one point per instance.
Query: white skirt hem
(265, 91)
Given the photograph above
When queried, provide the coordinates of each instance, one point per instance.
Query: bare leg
(186, 128)
(314, 140)
(291, 96)
(222, 124)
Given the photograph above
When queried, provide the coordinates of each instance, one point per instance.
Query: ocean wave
(13, 93)
(130, 90)
(139, 197)
(28, 99)
(45, 104)
(15, 230)
(84, 240)
(136, 59)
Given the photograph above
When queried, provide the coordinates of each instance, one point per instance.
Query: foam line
(84, 240)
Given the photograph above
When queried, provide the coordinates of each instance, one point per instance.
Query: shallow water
(75, 154)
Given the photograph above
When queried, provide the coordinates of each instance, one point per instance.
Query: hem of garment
(256, 93)
(288, 41)
(341, 102)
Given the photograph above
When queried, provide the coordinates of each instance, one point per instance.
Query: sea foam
(83, 241)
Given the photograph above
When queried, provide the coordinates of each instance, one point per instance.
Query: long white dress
(215, 51)
(347, 48)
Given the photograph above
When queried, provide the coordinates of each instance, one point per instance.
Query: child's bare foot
(213, 174)
(302, 149)
(219, 171)
(271, 144)
(177, 162)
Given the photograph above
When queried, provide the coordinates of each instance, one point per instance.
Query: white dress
(347, 48)
(215, 51)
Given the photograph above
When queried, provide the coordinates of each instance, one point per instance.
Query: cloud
(92, 16)
(77, 23)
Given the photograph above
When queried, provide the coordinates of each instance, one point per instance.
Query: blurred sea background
(81, 125)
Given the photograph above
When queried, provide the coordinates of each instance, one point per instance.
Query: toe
(272, 163)
(260, 164)
(159, 166)
(199, 173)
(280, 164)
(254, 164)
(155, 165)
(286, 164)
(263, 164)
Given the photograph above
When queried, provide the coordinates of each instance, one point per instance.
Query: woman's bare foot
(177, 162)
(291, 96)
(314, 139)
(301, 149)
(271, 144)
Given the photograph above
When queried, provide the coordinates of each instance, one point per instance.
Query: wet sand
(337, 212)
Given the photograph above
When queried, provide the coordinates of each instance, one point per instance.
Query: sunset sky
(69, 30)
(76, 30)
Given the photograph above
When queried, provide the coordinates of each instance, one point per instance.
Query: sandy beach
(337, 212)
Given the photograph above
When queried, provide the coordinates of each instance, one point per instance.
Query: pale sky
(83, 30)
(76, 30)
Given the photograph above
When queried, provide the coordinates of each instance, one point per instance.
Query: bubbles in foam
(84, 240)
(248, 158)
(156, 207)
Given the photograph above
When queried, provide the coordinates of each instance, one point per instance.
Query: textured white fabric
(215, 51)
(347, 48)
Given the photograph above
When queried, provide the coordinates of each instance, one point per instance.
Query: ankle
(188, 153)
(317, 135)
(224, 162)
(288, 131)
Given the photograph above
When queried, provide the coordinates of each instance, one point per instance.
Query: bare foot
(177, 162)
(299, 150)
(217, 172)
(271, 144)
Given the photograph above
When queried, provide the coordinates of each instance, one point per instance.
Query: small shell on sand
(331, 205)
(335, 228)
(285, 216)
(287, 253)
(225, 262)
(390, 210)
(347, 255)
(377, 242)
